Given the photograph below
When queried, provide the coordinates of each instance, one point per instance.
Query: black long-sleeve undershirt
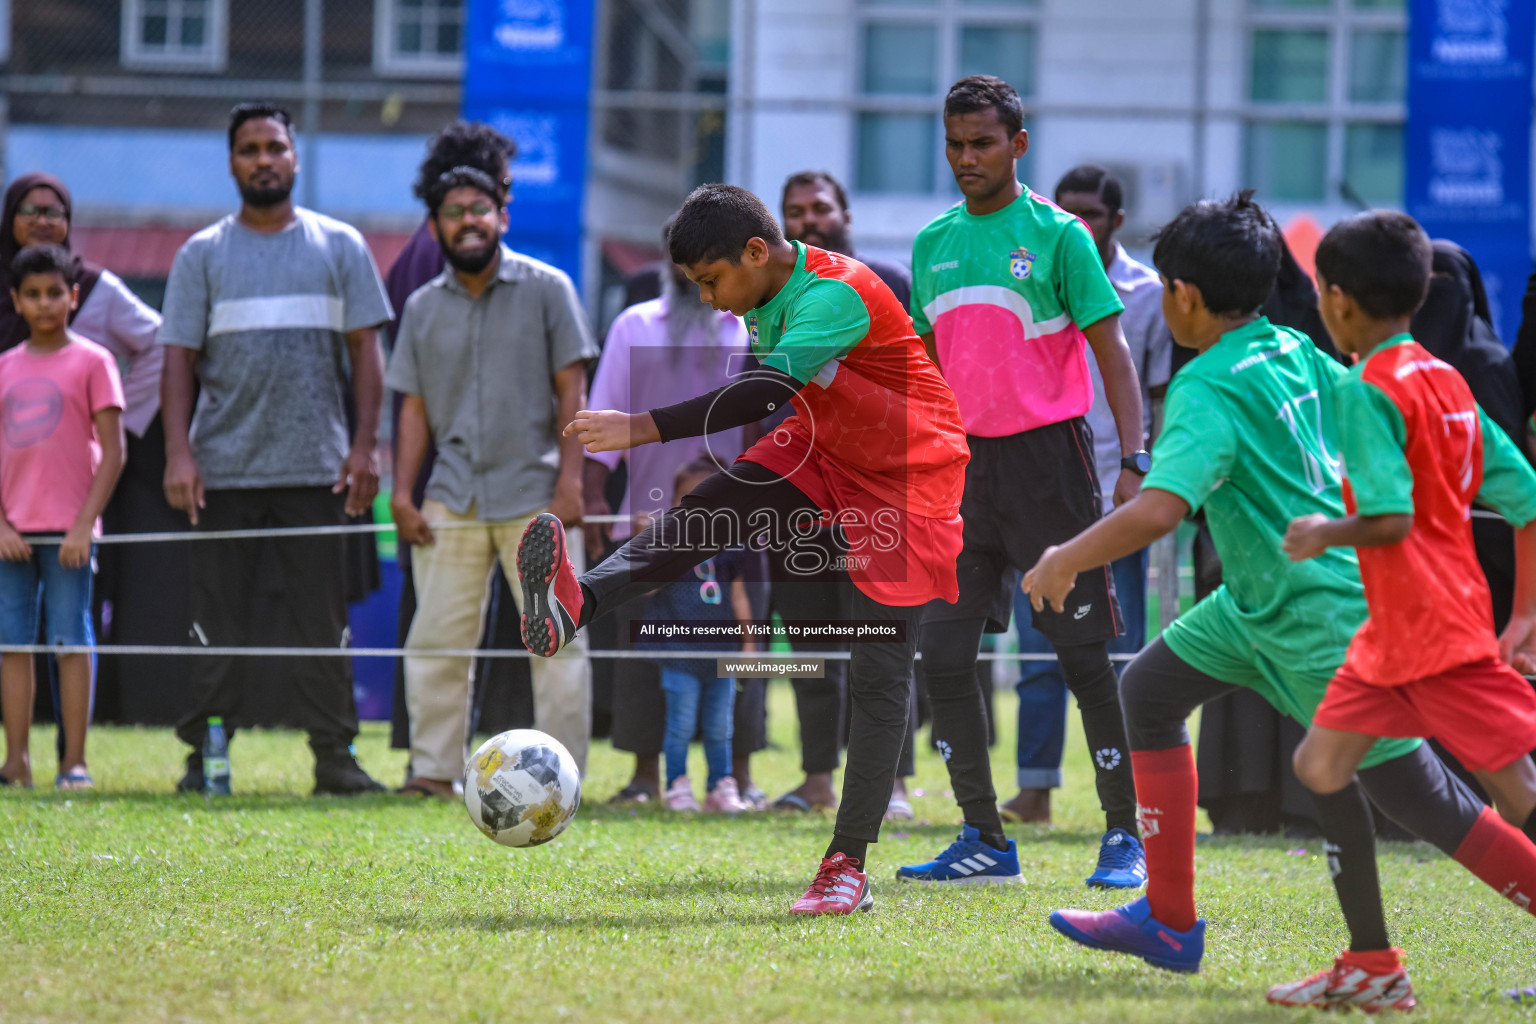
(747, 399)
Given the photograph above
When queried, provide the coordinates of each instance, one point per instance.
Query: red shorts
(1484, 711)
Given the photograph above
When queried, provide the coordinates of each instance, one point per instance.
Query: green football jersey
(1249, 435)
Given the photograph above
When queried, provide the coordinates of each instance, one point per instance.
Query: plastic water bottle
(215, 759)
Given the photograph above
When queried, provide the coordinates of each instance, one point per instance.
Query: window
(911, 52)
(418, 37)
(1327, 89)
(175, 34)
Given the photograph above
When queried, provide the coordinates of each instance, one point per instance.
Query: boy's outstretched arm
(750, 397)
(1131, 527)
(1309, 536)
(1517, 644)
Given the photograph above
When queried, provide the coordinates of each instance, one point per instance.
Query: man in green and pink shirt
(1008, 293)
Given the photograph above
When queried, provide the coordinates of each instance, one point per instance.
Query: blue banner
(1469, 137)
(528, 71)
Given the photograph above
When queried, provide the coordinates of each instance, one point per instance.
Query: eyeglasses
(42, 212)
(709, 589)
(456, 211)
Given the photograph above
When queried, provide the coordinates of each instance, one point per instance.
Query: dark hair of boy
(1227, 248)
(1093, 180)
(815, 178)
(1379, 258)
(704, 465)
(43, 259)
(244, 112)
(716, 222)
(978, 92)
(465, 144)
(461, 177)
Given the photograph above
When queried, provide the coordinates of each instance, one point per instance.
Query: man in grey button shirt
(268, 309)
(490, 357)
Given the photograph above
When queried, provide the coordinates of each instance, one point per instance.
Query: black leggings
(749, 503)
(1160, 690)
(960, 719)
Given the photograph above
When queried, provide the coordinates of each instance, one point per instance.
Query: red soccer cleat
(1372, 982)
(840, 888)
(551, 595)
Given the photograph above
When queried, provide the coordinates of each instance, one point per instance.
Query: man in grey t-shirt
(269, 309)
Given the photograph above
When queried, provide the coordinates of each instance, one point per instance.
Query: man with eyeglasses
(459, 143)
(274, 312)
(490, 357)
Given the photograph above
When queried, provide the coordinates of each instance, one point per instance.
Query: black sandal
(634, 793)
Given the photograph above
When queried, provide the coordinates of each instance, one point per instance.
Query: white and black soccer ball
(521, 788)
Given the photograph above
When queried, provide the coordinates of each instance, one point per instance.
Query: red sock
(1502, 856)
(1166, 789)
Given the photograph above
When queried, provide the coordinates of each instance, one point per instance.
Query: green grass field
(132, 904)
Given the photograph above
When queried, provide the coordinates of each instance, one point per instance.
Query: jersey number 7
(1321, 469)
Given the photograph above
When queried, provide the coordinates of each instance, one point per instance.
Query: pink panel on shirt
(1007, 383)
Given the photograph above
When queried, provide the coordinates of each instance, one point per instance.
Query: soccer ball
(522, 788)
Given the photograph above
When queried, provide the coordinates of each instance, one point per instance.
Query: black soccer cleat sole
(539, 555)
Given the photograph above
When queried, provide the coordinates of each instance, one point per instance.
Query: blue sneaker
(1122, 862)
(968, 859)
(1132, 929)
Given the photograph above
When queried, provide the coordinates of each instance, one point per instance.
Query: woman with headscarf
(141, 588)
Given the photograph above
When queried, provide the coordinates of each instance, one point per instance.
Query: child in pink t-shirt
(61, 450)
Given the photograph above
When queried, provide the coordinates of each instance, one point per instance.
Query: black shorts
(1023, 493)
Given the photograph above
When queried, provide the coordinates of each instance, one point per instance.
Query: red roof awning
(628, 257)
(146, 251)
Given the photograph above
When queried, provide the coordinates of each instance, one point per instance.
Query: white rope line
(360, 528)
(286, 531)
(182, 650)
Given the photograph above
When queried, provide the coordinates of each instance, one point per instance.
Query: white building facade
(1302, 99)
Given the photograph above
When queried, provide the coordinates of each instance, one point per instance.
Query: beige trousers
(452, 594)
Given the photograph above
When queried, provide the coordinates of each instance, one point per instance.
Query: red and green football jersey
(876, 438)
(1414, 442)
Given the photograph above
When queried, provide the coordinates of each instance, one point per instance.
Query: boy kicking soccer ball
(1249, 436)
(1417, 451)
(875, 447)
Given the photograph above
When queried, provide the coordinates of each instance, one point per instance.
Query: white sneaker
(725, 799)
(679, 796)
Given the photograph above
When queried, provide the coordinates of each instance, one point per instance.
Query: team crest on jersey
(1020, 262)
(752, 330)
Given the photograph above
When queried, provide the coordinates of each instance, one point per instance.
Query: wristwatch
(1138, 462)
